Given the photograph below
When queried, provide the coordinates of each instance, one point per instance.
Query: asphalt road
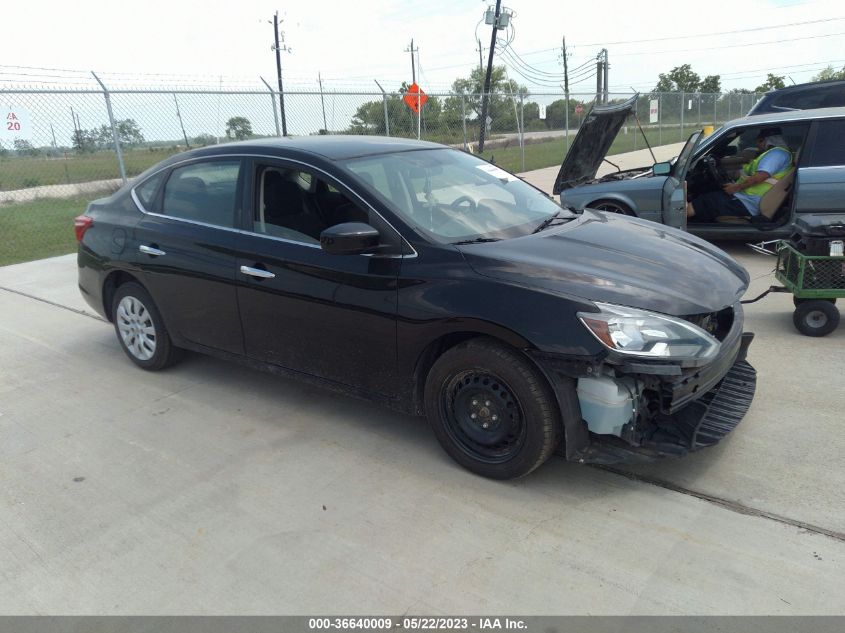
(210, 489)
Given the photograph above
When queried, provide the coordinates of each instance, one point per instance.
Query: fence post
(683, 105)
(715, 113)
(464, 119)
(699, 109)
(522, 128)
(566, 117)
(114, 134)
(384, 103)
(660, 118)
(273, 104)
(636, 116)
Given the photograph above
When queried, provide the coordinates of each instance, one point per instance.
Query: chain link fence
(59, 149)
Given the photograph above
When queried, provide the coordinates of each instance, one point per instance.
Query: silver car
(659, 192)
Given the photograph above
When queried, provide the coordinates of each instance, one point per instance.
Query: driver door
(674, 189)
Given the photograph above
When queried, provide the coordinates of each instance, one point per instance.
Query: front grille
(726, 405)
(717, 324)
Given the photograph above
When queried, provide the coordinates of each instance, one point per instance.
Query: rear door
(184, 246)
(820, 181)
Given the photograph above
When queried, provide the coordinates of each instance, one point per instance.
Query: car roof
(810, 85)
(788, 116)
(332, 147)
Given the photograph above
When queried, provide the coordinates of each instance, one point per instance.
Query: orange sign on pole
(415, 98)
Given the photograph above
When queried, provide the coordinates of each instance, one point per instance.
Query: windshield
(451, 196)
(683, 157)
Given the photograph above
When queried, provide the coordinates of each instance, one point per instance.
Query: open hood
(591, 144)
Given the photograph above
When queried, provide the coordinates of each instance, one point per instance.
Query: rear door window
(204, 192)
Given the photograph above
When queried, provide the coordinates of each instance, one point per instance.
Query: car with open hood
(815, 183)
(427, 279)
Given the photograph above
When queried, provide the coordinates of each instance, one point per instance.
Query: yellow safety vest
(749, 169)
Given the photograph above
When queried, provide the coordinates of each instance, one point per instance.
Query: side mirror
(662, 169)
(349, 238)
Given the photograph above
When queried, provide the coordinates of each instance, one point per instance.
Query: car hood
(617, 259)
(591, 144)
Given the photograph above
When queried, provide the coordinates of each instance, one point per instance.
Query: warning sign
(15, 124)
(415, 98)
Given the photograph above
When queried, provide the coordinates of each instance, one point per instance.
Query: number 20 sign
(15, 124)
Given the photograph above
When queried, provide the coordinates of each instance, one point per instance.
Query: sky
(351, 44)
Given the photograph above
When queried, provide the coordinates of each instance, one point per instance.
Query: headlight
(648, 334)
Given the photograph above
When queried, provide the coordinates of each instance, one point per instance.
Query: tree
(204, 139)
(25, 148)
(773, 82)
(3, 151)
(711, 84)
(239, 128)
(829, 73)
(679, 79)
(129, 133)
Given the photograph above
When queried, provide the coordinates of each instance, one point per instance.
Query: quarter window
(829, 149)
(203, 192)
(147, 190)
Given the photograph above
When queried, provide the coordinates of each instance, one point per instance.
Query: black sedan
(423, 277)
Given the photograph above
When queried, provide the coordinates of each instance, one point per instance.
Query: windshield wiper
(547, 221)
(477, 240)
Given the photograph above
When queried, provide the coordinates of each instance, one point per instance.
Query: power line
(707, 48)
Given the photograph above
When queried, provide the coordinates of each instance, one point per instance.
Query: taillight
(82, 223)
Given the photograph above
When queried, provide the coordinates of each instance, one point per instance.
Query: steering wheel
(464, 204)
(716, 172)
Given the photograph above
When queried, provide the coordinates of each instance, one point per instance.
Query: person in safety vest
(742, 198)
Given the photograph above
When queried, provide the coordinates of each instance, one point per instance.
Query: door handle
(257, 272)
(149, 250)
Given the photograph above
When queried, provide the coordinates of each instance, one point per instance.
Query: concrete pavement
(210, 488)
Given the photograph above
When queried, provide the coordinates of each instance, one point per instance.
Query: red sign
(579, 109)
(415, 98)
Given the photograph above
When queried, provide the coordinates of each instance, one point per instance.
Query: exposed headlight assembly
(648, 335)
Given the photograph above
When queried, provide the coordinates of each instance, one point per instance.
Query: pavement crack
(53, 303)
(733, 506)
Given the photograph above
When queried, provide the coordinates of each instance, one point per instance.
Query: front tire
(611, 206)
(140, 329)
(492, 411)
(816, 318)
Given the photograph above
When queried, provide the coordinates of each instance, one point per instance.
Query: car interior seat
(771, 201)
(187, 198)
(285, 206)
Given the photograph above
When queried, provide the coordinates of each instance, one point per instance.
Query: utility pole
(485, 94)
(566, 90)
(279, 48)
(599, 83)
(480, 63)
(412, 50)
(605, 74)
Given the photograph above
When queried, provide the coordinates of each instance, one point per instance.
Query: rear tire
(492, 411)
(818, 317)
(140, 329)
(797, 302)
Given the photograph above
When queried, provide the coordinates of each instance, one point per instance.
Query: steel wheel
(492, 411)
(140, 328)
(136, 328)
(816, 318)
(482, 417)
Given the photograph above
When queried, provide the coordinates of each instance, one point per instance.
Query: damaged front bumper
(675, 410)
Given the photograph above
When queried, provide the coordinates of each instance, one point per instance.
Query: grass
(26, 172)
(550, 153)
(39, 229)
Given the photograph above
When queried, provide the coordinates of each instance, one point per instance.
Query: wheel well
(110, 286)
(436, 349)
